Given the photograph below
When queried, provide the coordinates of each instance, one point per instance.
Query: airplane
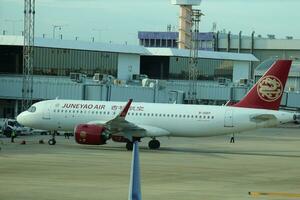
(95, 122)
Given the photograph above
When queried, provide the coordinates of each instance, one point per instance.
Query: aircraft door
(46, 113)
(228, 118)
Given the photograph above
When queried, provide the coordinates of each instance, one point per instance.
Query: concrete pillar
(228, 41)
(185, 24)
(240, 42)
(16, 111)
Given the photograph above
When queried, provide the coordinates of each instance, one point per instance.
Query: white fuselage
(158, 119)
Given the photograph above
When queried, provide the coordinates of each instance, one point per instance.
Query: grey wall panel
(52, 88)
(11, 87)
(284, 99)
(138, 94)
(293, 99)
(162, 96)
(96, 92)
(238, 93)
(213, 92)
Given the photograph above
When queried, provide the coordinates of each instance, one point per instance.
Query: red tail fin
(267, 92)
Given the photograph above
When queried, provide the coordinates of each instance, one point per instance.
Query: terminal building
(262, 48)
(97, 71)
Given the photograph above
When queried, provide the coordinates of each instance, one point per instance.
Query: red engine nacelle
(90, 134)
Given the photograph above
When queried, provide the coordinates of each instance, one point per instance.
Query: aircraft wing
(120, 126)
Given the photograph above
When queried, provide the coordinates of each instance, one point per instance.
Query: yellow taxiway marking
(277, 194)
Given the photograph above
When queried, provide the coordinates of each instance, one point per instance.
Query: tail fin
(267, 92)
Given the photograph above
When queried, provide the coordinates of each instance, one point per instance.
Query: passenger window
(212, 117)
(108, 112)
(208, 117)
(172, 115)
(188, 116)
(164, 115)
(204, 117)
(183, 116)
(179, 116)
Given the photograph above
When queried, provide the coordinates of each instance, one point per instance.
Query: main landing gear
(129, 144)
(52, 141)
(153, 144)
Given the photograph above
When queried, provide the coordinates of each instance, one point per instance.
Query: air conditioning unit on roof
(77, 77)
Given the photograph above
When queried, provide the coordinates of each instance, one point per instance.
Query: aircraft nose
(20, 119)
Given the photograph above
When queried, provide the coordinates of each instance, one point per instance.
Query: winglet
(124, 112)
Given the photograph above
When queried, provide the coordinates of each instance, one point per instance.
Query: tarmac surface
(265, 160)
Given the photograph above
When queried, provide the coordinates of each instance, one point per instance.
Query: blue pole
(135, 179)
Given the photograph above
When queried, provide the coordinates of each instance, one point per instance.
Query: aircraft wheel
(129, 146)
(154, 144)
(52, 142)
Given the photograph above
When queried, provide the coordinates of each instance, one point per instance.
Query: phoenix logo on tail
(269, 88)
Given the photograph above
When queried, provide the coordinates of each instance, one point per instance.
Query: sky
(118, 21)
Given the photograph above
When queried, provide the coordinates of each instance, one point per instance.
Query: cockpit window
(32, 109)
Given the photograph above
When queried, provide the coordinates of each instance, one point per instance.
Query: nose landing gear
(52, 141)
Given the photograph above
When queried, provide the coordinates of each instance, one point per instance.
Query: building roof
(265, 65)
(74, 44)
(119, 48)
(202, 54)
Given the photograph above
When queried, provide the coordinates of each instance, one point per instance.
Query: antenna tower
(27, 89)
(193, 71)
